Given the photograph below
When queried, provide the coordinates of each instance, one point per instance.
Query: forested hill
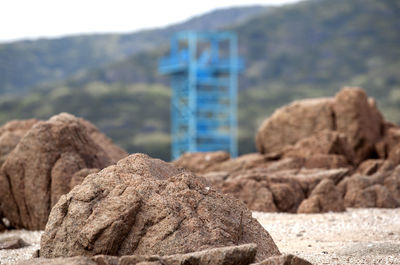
(25, 64)
(308, 49)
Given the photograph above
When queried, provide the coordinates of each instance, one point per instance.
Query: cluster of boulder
(315, 155)
(97, 205)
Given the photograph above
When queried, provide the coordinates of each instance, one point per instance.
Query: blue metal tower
(203, 67)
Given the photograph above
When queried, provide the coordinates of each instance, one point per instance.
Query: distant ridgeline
(304, 50)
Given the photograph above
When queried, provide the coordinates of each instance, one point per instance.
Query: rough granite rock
(243, 162)
(12, 243)
(273, 191)
(293, 122)
(146, 206)
(350, 113)
(310, 178)
(2, 225)
(390, 140)
(392, 183)
(114, 152)
(324, 198)
(370, 166)
(286, 164)
(234, 255)
(264, 191)
(10, 134)
(394, 155)
(78, 177)
(322, 143)
(201, 162)
(284, 260)
(357, 117)
(367, 191)
(79, 260)
(39, 170)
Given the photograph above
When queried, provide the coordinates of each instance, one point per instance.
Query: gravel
(11, 256)
(357, 236)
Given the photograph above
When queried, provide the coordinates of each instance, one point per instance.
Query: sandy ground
(358, 236)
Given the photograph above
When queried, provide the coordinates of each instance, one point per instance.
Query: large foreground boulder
(144, 206)
(42, 166)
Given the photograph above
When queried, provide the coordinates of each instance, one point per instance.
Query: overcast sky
(26, 19)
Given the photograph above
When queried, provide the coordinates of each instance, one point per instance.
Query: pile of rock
(98, 207)
(314, 155)
(146, 211)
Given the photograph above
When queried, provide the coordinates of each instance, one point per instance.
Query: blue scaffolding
(203, 67)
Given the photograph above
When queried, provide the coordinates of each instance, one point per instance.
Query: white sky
(22, 19)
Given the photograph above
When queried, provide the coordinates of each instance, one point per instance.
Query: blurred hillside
(28, 63)
(309, 49)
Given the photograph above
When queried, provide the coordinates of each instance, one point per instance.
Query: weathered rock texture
(10, 135)
(274, 191)
(144, 206)
(325, 149)
(350, 113)
(42, 166)
(233, 255)
(12, 243)
(293, 122)
(284, 260)
(324, 198)
(380, 190)
(201, 162)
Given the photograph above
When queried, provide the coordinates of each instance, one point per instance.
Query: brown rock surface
(39, 170)
(201, 162)
(79, 260)
(390, 140)
(365, 192)
(146, 206)
(234, 255)
(370, 166)
(114, 152)
(310, 178)
(265, 191)
(273, 191)
(2, 226)
(324, 198)
(392, 183)
(357, 123)
(12, 243)
(295, 163)
(10, 134)
(247, 161)
(322, 143)
(394, 155)
(284, 260)
(358, 118)
(294, 122)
